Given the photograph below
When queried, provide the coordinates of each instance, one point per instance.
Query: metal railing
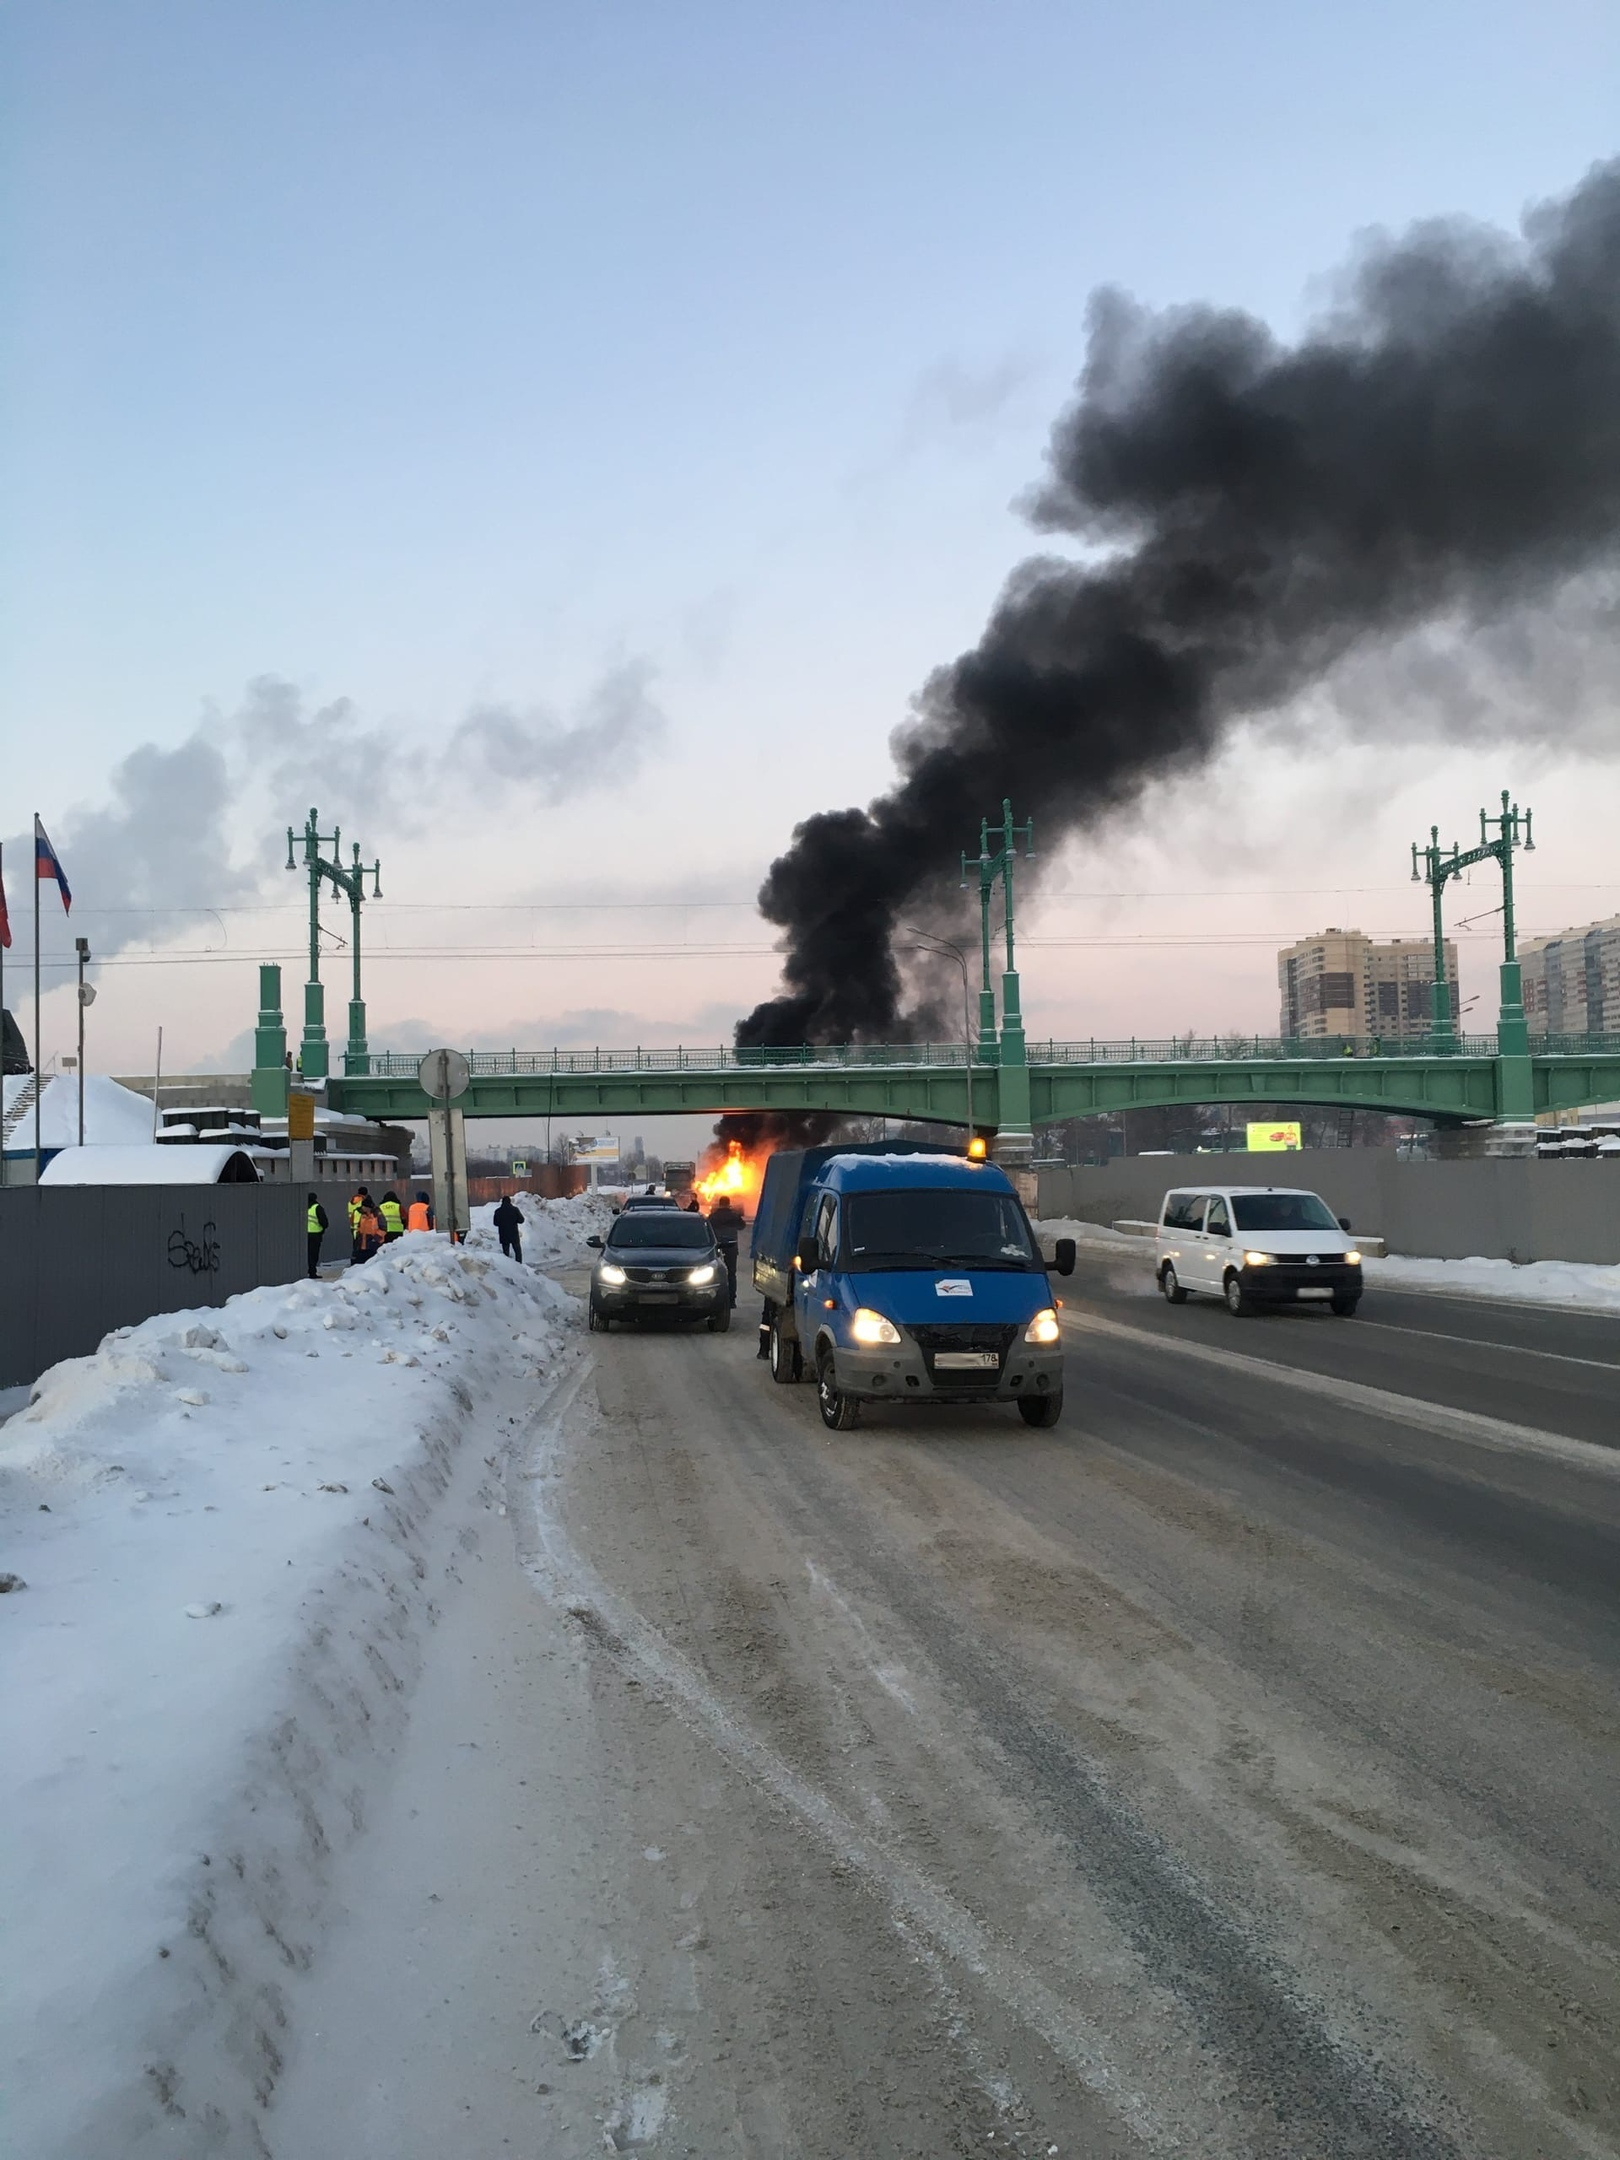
(1133, 1050)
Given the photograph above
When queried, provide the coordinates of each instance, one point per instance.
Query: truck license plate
(966, 1361)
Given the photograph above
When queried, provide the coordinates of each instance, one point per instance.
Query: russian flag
(47, 866)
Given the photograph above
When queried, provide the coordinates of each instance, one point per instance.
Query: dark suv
(659, 1261)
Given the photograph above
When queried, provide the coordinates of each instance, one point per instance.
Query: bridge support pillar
(1015, 1142)
(270, 1047)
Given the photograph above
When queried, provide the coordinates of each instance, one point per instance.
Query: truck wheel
(839, 1412)
(599, 1322)
(1173, 1292)
(1238, 1301)
(1043, 1409)
(720, 1321)
(787, 1359)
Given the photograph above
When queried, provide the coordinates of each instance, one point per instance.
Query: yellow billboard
(1272, 1139)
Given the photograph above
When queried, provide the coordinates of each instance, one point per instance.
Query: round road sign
(444, 1075)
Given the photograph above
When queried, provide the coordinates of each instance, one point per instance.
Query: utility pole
(1513, 830)
(348, 880)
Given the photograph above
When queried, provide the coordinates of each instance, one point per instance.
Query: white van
(1256, 1245)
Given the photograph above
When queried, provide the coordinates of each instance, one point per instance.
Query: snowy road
(1230, 1771)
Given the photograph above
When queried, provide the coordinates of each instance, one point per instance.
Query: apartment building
(1342, 982)
(1572, 981)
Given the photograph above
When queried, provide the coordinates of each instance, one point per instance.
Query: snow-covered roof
(114, 1116)
(149, 1165)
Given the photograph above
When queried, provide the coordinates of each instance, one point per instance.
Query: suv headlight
(702, 1274)
(1258, 1259)
(1044, 1328)
(870, 1327)
(609, 1273)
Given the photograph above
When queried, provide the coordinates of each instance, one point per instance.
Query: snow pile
(1534, 1282)
(114, 1116)
(1573, 1283)
(554, 1231)
(224, 1526)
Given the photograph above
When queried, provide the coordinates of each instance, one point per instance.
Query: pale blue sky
(437, 356)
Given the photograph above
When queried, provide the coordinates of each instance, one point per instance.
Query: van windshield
(932, 1229)
(1282, 1211)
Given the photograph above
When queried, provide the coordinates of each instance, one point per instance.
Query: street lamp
(944, 947)
(87, 996)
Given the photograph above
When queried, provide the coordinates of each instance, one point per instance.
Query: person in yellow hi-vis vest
(360, 1201)
(393, 1217)
(315, 1222)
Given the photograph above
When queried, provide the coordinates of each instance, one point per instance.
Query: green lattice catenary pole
(349, 880)
(1513, 830)
(997, 846)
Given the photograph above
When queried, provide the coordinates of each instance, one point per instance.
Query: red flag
(47, 866)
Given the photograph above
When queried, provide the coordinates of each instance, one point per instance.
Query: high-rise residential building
(1572, 981)
(1342, 982)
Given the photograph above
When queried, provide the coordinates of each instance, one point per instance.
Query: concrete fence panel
(79, 1260)
(1495, 1209)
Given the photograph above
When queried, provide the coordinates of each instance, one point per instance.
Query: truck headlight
(870, 1327)
(609, 1273)
(702, 1274)
(1044, 1328)
(1257, 1259)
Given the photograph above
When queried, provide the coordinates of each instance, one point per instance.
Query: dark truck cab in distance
(900, 1273)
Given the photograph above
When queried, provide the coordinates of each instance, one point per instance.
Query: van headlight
(702, 1274)
(1258, 1259)
(1352, 1259)
(609, 1273)
(1044, 1328)
(871, 1328)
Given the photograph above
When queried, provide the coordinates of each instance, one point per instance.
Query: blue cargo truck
(903, 1274)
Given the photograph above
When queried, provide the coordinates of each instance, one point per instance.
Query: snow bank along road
(1230, 1771)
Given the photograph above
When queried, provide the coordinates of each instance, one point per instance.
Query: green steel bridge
(1002, 1083)
(1467, 1078)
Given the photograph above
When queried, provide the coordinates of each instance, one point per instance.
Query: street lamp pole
(943, 946)
(86, 993)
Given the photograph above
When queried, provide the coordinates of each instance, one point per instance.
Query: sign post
(300, 1136)
(444, 1075)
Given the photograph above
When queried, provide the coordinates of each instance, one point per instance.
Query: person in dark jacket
(728, 1223)
(316, 1225)
(509, 1222)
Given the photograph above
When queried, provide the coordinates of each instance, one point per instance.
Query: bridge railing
(1132, 1050)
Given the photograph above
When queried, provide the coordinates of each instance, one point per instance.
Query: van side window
(1179, 1210)
(827, 1230)
(1218, 1223)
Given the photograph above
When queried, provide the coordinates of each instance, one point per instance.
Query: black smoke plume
(1444, 446)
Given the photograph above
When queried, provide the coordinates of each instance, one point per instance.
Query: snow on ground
(1579, 1284)
(225, 1523)
(554, 1231)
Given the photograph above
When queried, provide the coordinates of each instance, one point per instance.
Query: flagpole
(3, 1179)
(39, 1086)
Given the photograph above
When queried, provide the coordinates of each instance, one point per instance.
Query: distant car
(648, 1200)
(1256, 1245)
(657, 1261)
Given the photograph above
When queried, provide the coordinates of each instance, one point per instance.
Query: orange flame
(737, 1176)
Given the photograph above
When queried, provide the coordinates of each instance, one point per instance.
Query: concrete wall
(77, 1261)
(1497, 1209)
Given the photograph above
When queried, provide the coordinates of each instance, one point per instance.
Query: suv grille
(970, 1336)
